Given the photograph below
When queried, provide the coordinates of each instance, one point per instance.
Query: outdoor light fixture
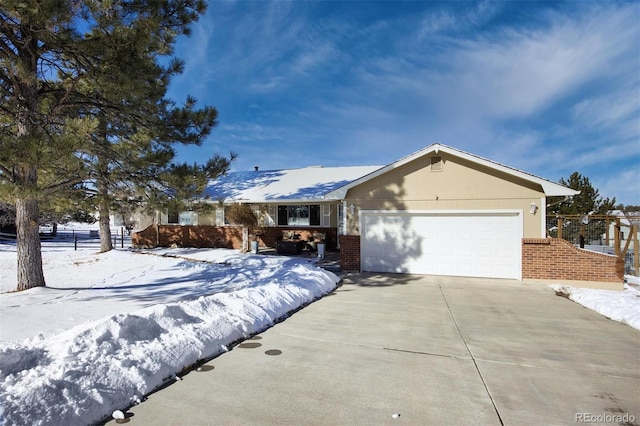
(352, 208)
(533, 208)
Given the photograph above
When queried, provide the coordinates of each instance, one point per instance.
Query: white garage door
(471, 244)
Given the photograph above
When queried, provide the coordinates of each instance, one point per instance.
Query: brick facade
(557, 259)
(188, 236)
(219, 236)
(350, 252)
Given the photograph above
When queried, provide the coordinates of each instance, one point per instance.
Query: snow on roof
(626, 218)
(307, 184)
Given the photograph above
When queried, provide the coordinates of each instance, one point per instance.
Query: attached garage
(456, 243)
(442, 211)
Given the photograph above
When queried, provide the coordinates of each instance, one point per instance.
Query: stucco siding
(208, 219)
(460, 185)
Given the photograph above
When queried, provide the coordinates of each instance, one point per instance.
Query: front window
(299, 215)
(172, 217)
(185, 218)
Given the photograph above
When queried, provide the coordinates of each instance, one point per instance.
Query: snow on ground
(109, 328)
(622, 306)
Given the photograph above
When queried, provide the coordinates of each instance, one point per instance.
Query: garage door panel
(461, 244)
(388, 264)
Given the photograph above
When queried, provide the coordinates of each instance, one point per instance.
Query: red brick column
(350, 252)
(557, 259)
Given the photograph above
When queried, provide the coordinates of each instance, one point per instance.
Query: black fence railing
(77, 238)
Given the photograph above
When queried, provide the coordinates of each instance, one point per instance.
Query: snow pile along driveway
(622, 306)
(82, 375)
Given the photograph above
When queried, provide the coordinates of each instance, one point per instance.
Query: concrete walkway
(418, 350)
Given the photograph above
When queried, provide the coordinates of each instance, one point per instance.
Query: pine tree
(57, 81)
(241, 214)
(588, 201)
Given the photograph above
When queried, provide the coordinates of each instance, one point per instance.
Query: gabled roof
(291, 185)
(550, 188)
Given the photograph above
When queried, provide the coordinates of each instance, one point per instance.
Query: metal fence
(581, 229)
(78, 238)
(600, 233)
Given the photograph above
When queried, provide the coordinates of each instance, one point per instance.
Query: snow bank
(622, 306)
(82, 375)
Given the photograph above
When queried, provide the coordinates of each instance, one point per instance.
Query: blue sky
(546, 87)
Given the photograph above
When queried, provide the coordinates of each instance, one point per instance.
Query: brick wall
(350, 252)
(188, 236)
(219, 236)
(557, 259)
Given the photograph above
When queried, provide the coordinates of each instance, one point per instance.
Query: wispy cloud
(550, 88)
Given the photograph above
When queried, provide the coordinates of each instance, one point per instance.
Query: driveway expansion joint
(427, 353)
(569, 370)
(475, 362)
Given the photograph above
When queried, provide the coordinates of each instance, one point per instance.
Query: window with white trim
(299, 215)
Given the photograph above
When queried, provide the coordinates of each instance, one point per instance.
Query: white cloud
(444, 20)
(436, 22)
(618, 111)
(624, 185)
(521, 72)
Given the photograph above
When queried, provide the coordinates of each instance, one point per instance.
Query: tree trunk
(29, 251)
(30, 272)
(105, 228)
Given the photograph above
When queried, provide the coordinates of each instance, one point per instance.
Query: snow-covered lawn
(110, 328)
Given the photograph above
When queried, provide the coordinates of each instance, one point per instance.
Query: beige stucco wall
(208, 218)
(460, 185)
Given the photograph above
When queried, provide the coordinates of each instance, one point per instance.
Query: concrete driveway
(418, 350)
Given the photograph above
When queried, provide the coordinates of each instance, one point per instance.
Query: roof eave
(279, 201)
(555, 190)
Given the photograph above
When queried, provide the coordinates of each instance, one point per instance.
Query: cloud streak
(550, 89)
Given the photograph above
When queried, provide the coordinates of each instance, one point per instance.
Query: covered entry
(457, 243)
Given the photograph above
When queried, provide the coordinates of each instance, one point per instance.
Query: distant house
(625, 235)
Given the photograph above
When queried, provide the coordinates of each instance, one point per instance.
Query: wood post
(616, 237)
(560, 228)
